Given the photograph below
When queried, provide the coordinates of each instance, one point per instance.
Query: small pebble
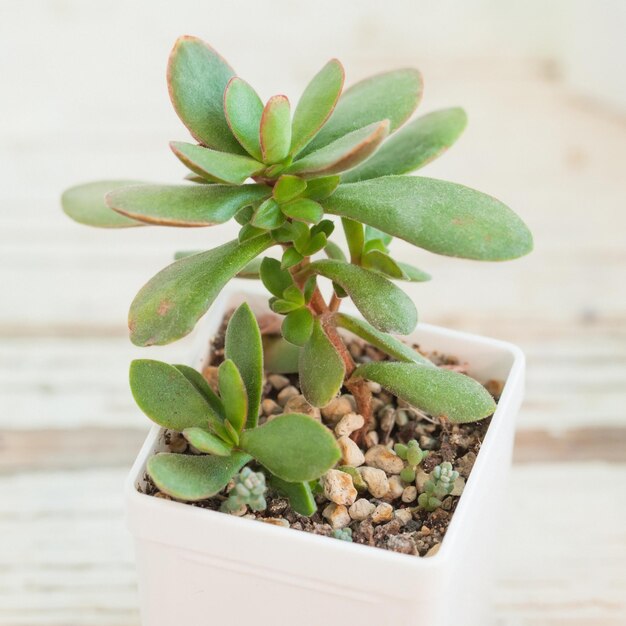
(337, 515)
(348, 424)
(382, 513)
(396, 488)
(375, 388)
(338, 487)
(433, 550)
(337, 408)
(177, 443)
(350, 452)
(376, 481)
(286, 393)
(371, 439)
(402, 418)
(383, 458)
(409, 494)
(269, 407)
(387, 418)
(277, 381)
(361, 509)
(404, 515)
(420, 479)
(459, 485)
(275, 521)
(298, 404)
(405, 544)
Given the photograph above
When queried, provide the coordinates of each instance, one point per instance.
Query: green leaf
(184, 205)
(321, 188)
(85, 204)
(275, 279)
(168, 306)
(203, 388)
(220, 167)
(433, 390)
(382, 262)
(243, 109)
(287, 188)
(316, 104)
(290, 258)
(443, 217)
(372, 233)
(268, 216)
(354, 238)
(412, 147)
(275, 129)
(343, 153)
(413, 274)
(294, 294)
(387, 343)
(333, 251)
(321, 368)
(248, 232)
(298, 326)
(281, 357)
(197, 77)
(167, 397)
(190, 477)
(300, 496)
(303, 210)
(382, 304)
(278, 305)
(292, 446)
(390, 96)
(204, 441)
(233, 394)
(243, 345)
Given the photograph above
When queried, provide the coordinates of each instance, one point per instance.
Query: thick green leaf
(203, 387)
(244, 347)
(443, 217)
(320, 188)
(233, 394)
(197, 77)
(382, 304)
(436, 391)
(292, 446)
(243, 109)
(290, 258)
(300, 495)
(413, 274)
(248, 232)
(354, 238)
(281, 357)
(190, 477)
(343, 153)
(85, 204)
(333, 251)
(304, 210)
(385, 342)
(412, 147)
(167, 397)
(316, 104)
(268, 215)
(184, 205)
(220, 167)
(391, 96)
(204, 441)
(321, 368)
(275, 279)
(275, 129)
(168, 306)
(382, 262)
(298, 326)
(287, 188)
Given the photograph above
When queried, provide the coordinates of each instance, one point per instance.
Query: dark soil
(413, 530)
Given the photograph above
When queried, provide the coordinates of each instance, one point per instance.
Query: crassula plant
(289, 179)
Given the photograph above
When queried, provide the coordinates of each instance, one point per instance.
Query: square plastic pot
(198, 567)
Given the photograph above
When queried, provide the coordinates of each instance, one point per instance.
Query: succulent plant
(438, 486)
(248, 491)
(344, 534)
(413, 455)
(288, 180)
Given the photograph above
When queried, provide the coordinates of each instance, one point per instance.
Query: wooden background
(83, 97)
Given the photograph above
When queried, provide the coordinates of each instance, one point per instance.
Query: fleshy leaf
(321, 368)
(197, 77)
(354, 238)
(275, 129)
(243, 109)
(390, 96)
(268, 215)
(436, 391)
(300, 496)
(381, 303)
(413, 274)
(298, 326)
(443, 217)
(333, 251)
(320, 188)
(304, 210)
(382, 262)
(168, 306)
(85, 204)
(385, 342)
(343, 153)
(233, 394)
(316, 104)
(167, 397)
(243, 345)
(207, 442)
(412, 147)
(281, 357)
(287, 188)
(275, 279)
(217, 166)
(292, 446)
(202, 387)
(184, 205)
(191, 477)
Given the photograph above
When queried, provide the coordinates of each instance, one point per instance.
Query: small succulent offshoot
(288, 178)
(413, 455)
(344, 534)
(438, 486)
(248, 491)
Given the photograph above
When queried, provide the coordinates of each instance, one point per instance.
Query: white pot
(198, 567)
